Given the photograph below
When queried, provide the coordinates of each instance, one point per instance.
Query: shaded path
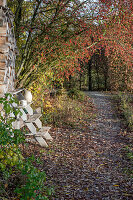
(106, 131)
(89, 165)
(107, 121)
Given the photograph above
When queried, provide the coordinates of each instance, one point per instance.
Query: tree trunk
(80, 81)
(105, 82)
(89, 75)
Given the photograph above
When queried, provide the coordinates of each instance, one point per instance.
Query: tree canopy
(53, 35)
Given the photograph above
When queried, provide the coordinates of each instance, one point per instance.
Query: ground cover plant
(128, 154)
(126, 107)
(67, 109)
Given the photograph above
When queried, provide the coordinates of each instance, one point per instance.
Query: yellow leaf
(6, 185)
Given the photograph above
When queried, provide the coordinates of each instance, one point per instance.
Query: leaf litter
(88, 162)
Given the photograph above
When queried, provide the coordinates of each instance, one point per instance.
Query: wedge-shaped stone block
(2, 56)
(2, 40)
(4, 49)
(1, 11)
(2, 65)
(1, 22)
(2, 75)
(3, 88)
(3, 30)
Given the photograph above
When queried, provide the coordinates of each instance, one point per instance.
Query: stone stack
(7, 49)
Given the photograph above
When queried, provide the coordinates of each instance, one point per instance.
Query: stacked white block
(31, 120)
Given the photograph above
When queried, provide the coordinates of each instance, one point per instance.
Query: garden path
(90, 164)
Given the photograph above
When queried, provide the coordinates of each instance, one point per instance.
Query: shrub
(10, 156)
(33, 185)
(30, 180)
(76, 94)
(65, 111)
(129, 155)
(127, 109)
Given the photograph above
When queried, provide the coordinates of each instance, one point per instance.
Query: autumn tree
(53, 35)
(112, 32)
(42, 28)
(117, 41)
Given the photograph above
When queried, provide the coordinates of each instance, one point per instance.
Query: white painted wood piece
(16, 91)
(46, 135)
(19, 96)
(31, 140)
(31, 127)
(6, 74)
(28, 96)
(11, 115)
(16, 124)
(29, 134)
(38, 110)
(29, 110)
(45, 128)
(33, 118)
(38, 123)
(41, 141)
(21, 123)
(23, 116)
(14, 105)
